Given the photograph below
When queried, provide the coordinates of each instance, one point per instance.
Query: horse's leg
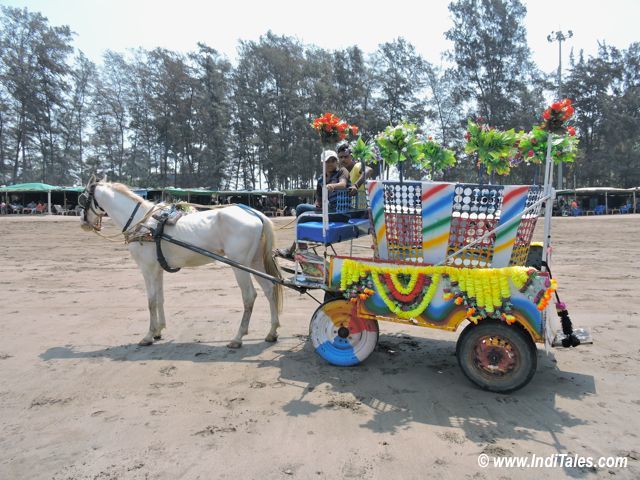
(153, 281)
(160, 322)
(269, 289)
(248, 298)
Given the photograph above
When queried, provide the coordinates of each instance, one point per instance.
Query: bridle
(87, 200)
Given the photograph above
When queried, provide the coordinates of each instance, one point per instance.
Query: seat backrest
(350, 203)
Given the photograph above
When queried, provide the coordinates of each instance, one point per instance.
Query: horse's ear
(91, 181)
(104, 179)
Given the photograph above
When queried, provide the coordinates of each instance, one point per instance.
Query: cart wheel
(339, 337)
(497, 357)
(329, 295)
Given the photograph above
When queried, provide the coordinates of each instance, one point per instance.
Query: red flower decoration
(332, 129)
(555, 116)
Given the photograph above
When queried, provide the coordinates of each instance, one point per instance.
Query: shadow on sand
(406, 380)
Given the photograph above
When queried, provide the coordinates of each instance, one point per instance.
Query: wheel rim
(495, 356)
(339, 336)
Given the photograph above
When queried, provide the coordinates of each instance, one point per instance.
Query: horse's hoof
(234, 344)
(145, 343)
(157, 337)
(272, 337)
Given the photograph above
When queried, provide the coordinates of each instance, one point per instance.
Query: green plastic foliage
(532, 146)
(437, 158)
(494, 148)
(400, 143)
(361, 150)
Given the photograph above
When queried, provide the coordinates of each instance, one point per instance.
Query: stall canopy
(32, 187)
(610, 199)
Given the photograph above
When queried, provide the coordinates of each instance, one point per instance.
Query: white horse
(243, 236)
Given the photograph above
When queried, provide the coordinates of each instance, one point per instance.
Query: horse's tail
(270, 265)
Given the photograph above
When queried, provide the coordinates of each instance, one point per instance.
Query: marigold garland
(411, 285)
(484, 292)
(412, 310)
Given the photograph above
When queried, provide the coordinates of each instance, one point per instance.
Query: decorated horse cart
(442, 254)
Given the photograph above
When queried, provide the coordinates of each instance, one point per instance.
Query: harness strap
(247, 208)
(133, 214)
(158, 232)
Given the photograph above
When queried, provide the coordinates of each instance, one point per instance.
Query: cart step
(301, 281)
(583, 335)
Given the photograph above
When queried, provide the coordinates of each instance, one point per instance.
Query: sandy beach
(79, 399)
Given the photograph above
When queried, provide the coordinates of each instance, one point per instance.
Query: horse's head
(92, 213)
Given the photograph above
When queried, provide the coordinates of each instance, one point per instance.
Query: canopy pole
(49, 202)
(325, 199)
(550, 195)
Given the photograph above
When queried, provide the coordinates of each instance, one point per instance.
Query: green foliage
(532, 146)
(400, 143)
(397, 71)
(492, 60)
(437, 158)
(493, 147)
(361, 150)
(161, 117)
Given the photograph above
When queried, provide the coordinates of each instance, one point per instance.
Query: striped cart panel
(527, 226)
(513, 203)
(375, 196)
(403, 220)
(476, 210)
(437, 206)
(425, 222)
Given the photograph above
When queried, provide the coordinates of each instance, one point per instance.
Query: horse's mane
(122, 188)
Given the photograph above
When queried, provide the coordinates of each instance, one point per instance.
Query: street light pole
(559, 37)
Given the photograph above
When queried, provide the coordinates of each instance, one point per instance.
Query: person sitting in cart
(337, 179)
(354, 168)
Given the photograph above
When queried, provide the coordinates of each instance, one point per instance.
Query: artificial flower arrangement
(494, 148)
(361, 150)
(331, 129)
(436, 157)
(408, 291)
(556, 115)
(532, 146)
(400, 143)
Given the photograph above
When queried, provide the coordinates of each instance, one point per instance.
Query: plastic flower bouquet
(399, 143)
(331, 129)
(556, 115)
(361, 150)
(436, 158)
(532, 146)
(493, 147)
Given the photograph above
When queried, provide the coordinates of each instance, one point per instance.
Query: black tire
(497, 357)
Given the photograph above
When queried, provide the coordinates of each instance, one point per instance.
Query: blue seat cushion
(337, 231)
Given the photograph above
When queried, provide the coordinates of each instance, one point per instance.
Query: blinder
(87, 201)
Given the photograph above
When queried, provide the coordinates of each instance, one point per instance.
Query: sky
(179, 25)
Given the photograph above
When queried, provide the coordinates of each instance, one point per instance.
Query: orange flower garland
(483, 292)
